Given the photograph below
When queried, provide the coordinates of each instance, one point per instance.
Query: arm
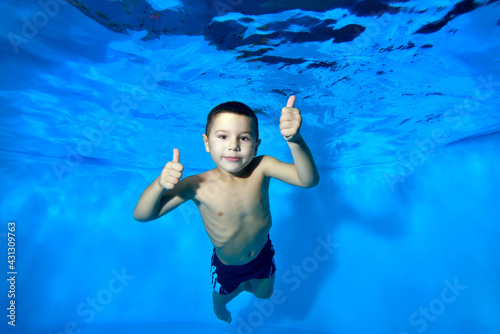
(303, 171)
(165, 193)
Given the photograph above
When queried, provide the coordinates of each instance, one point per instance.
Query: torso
(235, 213)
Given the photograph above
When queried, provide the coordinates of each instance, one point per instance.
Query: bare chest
(236, 215)
(234, 201)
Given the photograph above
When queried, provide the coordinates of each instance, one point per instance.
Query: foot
(223, 314)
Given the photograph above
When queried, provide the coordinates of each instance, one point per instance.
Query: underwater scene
(398, 102)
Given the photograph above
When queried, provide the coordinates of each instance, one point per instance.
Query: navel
(260, 200)
(220, 213)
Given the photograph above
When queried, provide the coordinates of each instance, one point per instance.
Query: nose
(234, 145)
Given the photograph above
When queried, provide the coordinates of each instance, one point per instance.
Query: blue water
(400, 106)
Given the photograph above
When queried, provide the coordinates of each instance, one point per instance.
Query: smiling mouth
(233, 159)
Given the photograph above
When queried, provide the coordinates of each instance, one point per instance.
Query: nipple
(220, 213)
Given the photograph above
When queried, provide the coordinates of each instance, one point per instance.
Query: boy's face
(231, 142)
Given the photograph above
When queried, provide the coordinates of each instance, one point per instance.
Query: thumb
(291, 101)
(177, 156)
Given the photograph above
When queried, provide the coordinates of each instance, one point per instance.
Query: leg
(262, 287)
(220, 302)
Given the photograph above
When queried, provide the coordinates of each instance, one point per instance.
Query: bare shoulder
(198, 182)
(283, 171)
(187, 186)
(204, 177)
(269, 164)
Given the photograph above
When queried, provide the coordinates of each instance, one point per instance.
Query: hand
(172, 172)
(290, 120)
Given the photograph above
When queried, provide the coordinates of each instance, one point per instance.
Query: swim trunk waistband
(226, 279)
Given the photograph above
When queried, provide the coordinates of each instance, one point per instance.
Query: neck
(242, 174)
(228, 176)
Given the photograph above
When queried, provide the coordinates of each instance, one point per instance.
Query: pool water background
(406, 142)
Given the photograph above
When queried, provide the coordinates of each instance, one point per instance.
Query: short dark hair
(235, 108)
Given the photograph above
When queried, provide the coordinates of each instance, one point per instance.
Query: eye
(245, 138)
(222, 137)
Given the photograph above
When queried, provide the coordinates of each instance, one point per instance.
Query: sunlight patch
(165, 4)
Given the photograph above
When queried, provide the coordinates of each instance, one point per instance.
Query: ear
(256, 147)
(205, 139)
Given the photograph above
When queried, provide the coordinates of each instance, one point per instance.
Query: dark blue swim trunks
(226, 279)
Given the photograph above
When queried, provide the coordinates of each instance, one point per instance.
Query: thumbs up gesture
(290, 120)
(172, 172)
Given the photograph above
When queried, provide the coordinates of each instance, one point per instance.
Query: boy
(233, 197)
